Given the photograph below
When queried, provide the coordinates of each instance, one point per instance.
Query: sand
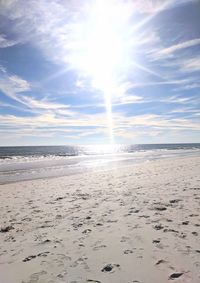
(136, 224)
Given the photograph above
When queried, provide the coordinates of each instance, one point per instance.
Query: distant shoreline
(86, 145)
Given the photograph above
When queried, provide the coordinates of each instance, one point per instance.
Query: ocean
(33, 162)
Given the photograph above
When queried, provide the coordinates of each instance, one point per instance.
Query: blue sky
(99, 71)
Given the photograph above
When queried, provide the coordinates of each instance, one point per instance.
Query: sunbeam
(100, 48)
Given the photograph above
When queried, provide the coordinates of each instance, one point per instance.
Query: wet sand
(137, 224)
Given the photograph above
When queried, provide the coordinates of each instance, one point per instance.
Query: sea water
(32, 162)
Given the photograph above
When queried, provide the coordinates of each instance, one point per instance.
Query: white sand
(144, 220)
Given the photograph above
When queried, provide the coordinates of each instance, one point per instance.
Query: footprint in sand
(175, 200)
(44, 254)
(124, 239)
(99, 247)
(128, 252)
(36, 276)
(110, 267)
(158, 227)
(87, 231)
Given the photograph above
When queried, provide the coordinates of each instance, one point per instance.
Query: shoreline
(133, 224)
(85, 170)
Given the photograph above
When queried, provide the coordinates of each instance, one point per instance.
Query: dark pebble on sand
(174, 200)
(107, 268)
(46, 241)
(156, 241)
(86, 231)
(95, 281)
(160, 208)
(160, 261)
(185, 222)
(6, 229)
(175, 275)
(59, 198)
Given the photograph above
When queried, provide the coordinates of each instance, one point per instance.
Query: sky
(99, 71)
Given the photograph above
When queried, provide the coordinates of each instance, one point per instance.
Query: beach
(136, 224)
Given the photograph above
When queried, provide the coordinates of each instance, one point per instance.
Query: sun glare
(100, 48)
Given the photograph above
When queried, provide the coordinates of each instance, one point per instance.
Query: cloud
(42, 104)
(4, 42)
(122, 95)
(158, 122)
(153, 7)
(128, 99)
(178, 99)
(89, 126)
(185, 110)
(132, 134)
(190, 65)
(51, 119)
(148, 38)
(181, 82)
(174, 48)
(156, 6)
(12, 85)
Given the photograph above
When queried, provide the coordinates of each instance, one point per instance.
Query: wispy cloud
(177, 47)
(185, 110)
(99, 121)
(42, 104)
(178, 99)
(89, 126)
(128, 99)
(13, 85)
(190, 65)
(5, 42)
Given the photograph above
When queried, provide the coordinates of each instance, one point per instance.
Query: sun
(100, 47)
